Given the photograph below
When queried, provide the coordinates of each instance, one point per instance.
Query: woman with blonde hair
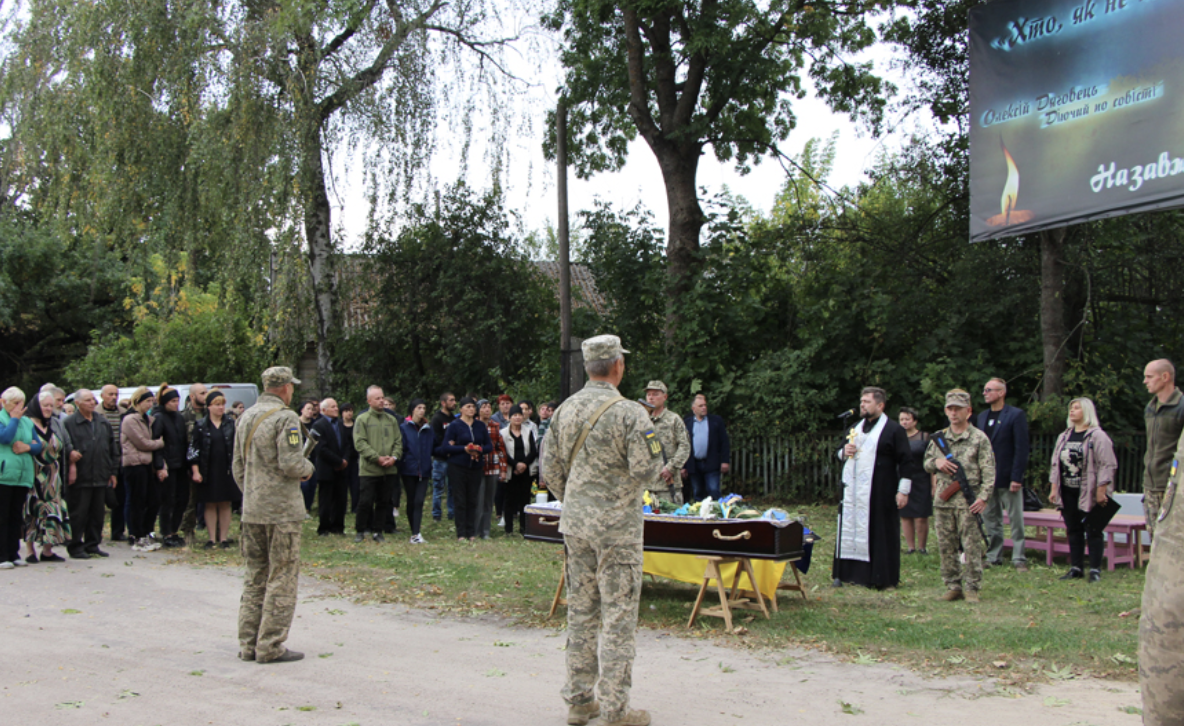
(1082, 477)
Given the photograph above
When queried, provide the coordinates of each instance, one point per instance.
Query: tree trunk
(318, 233)
(680, 166)
(1052, 310)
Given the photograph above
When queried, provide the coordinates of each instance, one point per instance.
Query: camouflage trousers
(1152, 502)
(603, 591)
(271, 553)
(1161, 626)
(956, 529)
(189, 518)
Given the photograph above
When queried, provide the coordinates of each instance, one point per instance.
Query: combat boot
(951, 595)
(632, 718)
(971, 595)
(581, 713)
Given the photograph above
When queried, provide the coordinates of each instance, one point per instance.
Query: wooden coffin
(753, 538)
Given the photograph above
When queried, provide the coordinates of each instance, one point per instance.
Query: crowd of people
(896, 477)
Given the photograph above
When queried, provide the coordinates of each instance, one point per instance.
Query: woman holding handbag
(1082, 478)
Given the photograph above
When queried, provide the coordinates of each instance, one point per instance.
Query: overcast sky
(531, 179)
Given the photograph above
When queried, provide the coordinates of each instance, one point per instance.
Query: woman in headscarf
(170, 462)
(47, 522)
(210, 455)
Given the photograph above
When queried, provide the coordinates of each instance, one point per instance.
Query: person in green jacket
(379, 444)
(17, 447)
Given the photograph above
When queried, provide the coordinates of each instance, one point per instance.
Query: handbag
(1101, 514)
(1032, 501)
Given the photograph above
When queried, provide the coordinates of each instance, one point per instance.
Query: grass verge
(1028, 628)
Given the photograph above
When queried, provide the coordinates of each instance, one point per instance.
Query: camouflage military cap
(958, 397)
(602, 347)
(277, 376)
(656, 386)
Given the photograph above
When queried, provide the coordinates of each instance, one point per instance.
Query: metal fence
(803, 468)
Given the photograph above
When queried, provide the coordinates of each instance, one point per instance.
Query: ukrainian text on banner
(1077, 112)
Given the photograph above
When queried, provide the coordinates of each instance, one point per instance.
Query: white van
(248, 393)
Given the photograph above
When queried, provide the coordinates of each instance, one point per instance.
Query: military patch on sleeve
(652, 439)
(294, 437)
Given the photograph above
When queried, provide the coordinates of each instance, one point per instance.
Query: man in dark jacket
(332, 470)
(171, 464)
(1007, 428)
(440, 420)
(1164, 416)
(94, 464)
(711, 453)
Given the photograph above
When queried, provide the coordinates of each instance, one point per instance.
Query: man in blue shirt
(711, 453)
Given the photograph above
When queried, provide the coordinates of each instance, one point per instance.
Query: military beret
(277, 376)
(602, 347)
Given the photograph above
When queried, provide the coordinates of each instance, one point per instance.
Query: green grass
(1028, 627)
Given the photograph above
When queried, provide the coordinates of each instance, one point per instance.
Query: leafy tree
(51, 297)
(454, 305)
(181, 332)
(718, 73)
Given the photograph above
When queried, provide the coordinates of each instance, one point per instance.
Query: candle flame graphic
(1011, 189)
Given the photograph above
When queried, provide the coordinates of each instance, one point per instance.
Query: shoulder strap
(251, 436)
(587, 429)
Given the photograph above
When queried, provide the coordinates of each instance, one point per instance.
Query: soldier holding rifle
(957, 521)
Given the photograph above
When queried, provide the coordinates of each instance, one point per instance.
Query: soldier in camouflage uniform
(955, 520)
(1164, 417)
(195, 410)
(600, 482)
(1161, 626)
(269, 464)
(672, 434)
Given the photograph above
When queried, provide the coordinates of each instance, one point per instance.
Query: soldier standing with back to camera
(956, 524)
(269, 464)
(600, 476)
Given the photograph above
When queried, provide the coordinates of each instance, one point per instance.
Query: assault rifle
(960, 480)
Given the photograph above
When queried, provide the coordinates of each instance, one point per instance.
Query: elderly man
(601, 456)
(269, 463)
(672, 434)
(1164, 417)
(93, 468)
(332, 464)
(711, 452)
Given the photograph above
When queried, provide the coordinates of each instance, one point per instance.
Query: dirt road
(134, 642)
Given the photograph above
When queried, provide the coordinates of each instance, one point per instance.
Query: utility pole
(564, 255)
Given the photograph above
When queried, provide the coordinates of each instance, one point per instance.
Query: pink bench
(1129, 552)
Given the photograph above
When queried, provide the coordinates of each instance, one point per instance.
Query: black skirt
(920, 504)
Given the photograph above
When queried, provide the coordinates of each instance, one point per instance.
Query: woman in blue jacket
(466, 442)
(416, 465)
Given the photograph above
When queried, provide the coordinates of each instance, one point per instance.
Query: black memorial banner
(1077, 112)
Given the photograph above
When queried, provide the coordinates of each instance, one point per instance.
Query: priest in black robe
(867, 547)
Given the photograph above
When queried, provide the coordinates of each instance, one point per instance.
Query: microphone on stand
(846, 414)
